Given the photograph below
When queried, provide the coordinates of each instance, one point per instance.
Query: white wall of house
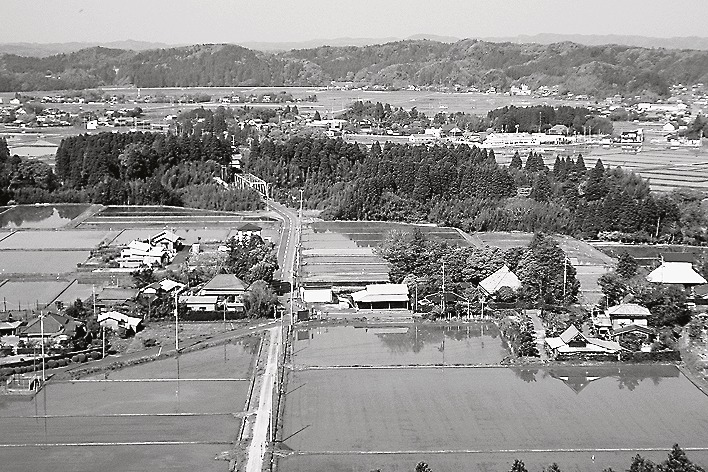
(618, 323)
(316, 295)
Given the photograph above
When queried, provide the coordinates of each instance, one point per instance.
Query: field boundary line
(152, 380)
(127, 415)
(136, 443)
(392, 366)
(498, 451)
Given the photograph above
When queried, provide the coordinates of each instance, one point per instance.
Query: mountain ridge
(571, 67)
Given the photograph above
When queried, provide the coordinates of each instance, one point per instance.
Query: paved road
(260, 437)
(288, 240)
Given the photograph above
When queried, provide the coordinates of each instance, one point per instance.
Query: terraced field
(666, 169)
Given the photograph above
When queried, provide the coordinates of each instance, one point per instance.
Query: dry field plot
(476, 411)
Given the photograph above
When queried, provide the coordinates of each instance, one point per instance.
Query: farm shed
(382, 297)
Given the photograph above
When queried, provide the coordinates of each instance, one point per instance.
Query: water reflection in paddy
(40, 216)
(418, 344)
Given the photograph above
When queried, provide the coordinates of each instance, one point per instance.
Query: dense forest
(595, 70)
(465, 187)
(127, 168)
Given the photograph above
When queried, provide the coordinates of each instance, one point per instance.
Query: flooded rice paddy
(176, 414)
(362, 398)
(40, 216)
(417, 344)
(484, 410)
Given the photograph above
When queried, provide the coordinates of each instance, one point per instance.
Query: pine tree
(541, 191)
(516, 161)
(678, 462)
(596, 187)
(580, 166)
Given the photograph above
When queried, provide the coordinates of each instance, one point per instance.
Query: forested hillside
(465, 187)
(596, 70)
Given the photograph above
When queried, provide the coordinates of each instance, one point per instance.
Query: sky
(234, 21)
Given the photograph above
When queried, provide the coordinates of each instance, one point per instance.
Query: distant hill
(340, 42)
(594, 70)
(50, 49)
(688, 42)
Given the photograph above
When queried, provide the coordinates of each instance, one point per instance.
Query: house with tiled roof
(627, 314)
(53, 325)
(573, 342)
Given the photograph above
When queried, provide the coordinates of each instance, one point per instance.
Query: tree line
(465, 187)
(540, 118)
(127, 169)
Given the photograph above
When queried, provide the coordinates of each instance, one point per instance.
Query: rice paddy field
(64, 239)
(649, 255)
(416, 344)
(40, 262)
(175, 414)
(40, 216)
(339, 417)
(30, 294)
(342, 252)
(116, 217)
(666, 169)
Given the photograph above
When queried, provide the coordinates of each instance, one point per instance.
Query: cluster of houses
(159, 250)
(619, 322)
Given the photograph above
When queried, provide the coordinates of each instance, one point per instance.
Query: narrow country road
(288, 240)
(259, 440)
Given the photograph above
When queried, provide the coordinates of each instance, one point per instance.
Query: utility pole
(565, 273)
(539, 121)
(103, 336)
(176, 326)
(415, 307)
(442, 300)
(41, 327)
